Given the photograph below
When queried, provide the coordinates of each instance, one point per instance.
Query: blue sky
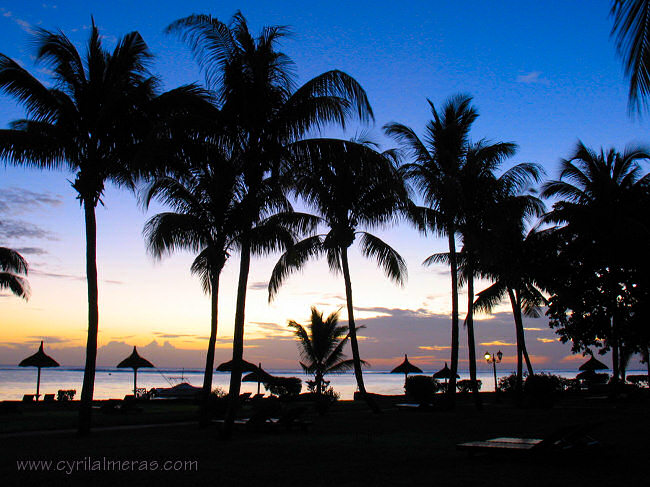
(542, 74)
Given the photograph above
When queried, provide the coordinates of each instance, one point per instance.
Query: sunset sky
(543, 74)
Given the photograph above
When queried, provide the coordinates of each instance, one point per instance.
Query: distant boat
(179, 391)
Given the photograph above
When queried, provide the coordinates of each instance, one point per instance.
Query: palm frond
(388, 259)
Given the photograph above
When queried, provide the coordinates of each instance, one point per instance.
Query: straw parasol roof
(406, 367)
(246, 367)
(444, 373)
(135, 362)
(39, 360)
(259, 376)
(593, 364)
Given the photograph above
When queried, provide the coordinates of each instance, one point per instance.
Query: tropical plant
(205, 219)
(13, 273)
(254, 85)
(321, 347)
(435, 174)
(632, 32)
(351, 186)
(602, 213)
(90, 123)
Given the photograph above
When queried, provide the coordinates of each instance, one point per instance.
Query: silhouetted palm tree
(13, 273)
(90, 123)
(255, 90)
(351, 186)
(435, 173)
(321, 346)
(603, 197)
(632, 31)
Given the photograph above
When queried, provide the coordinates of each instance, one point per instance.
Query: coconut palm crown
(13, 272)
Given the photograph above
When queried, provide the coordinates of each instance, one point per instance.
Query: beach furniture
(48, 398)
(135, 362)
(39, 360)
(28, 398)
(567, 438)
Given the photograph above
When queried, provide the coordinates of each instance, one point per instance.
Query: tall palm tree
(632, 32)
(255, 89)
(89, 123)
(204, 220)
(603, 190)
(351, 186)
(321, 344)
(13, 272)
(435, 173)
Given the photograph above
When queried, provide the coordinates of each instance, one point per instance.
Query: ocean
(113, 383)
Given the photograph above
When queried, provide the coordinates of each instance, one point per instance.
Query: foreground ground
(349, 446)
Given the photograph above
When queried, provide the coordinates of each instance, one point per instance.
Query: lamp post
(494, 359)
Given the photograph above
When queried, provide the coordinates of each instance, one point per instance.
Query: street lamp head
(499, 355)
(487, 356)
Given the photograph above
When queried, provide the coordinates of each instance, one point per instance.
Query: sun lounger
(413, 406)
(48, 398)
(28, 397)
(561, 440)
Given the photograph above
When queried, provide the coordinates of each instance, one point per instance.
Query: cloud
(18, 200)
(258, 286)
(534, 77)
(434, 348)
(72, 277)
(547, 340)
(31, 251)
(498, 343)
(17, 229)
(534, 329)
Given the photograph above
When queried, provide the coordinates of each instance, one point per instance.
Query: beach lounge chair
(563, 439)
(48, 398)
(28, 398)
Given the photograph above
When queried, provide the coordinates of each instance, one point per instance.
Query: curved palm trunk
(522, 353)
(451, 387)
(204, 418)
(353, 333)
(238, 339)
(85, 406)
(471, 345)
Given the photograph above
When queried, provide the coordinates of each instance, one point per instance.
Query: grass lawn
(351, 446)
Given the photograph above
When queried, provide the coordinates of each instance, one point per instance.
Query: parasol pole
(259, 378)
(135, 381)
(38, 383)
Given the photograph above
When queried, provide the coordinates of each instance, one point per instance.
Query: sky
(542, 74)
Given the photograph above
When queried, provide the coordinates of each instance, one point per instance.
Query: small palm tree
(13, 273)
(90, 123)
(350, 185)
(435, 173)
(321, 347)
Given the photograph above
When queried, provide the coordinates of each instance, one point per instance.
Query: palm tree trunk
(615, 351)
(204, 419)
(451, 387)
(85, 406)
(354, 344)
(515, 314)
(519, 323)
(471, 345)
(238, 339)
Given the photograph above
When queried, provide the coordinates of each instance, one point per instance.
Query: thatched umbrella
(406, 368)
(593, 365)
(246, 367)
(444, 373)
(135, 362)
(258, 376)
(39, 360)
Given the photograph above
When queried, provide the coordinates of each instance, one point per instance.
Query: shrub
(63, 395)
(284, 387)
(420, 388)
(465, 386)
(508, 384)
(218, 392)
(541, 389)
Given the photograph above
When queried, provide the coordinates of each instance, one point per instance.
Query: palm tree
(204, 220)
(90, 123)
(13, 272)
(351, 186)
(435, 173)
(604, 190)
(254, 85)
(322, 344)
(632, 32)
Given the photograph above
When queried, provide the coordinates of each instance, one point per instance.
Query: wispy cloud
(434, 348)
(532, 78)
(533, 329)
(72, 277)
(498, 343)
(31, 251)
(18, 229)
(19, 200)
(547, 340)
(258, 286)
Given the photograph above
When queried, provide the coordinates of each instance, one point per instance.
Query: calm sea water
(116, 383)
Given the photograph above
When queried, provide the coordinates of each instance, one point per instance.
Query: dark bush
(508, 384)
(63, 395)
(541, 389)
(284, 387)
(465, 386)
(420, 388)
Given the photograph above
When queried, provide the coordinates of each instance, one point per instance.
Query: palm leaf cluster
(13, 273)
